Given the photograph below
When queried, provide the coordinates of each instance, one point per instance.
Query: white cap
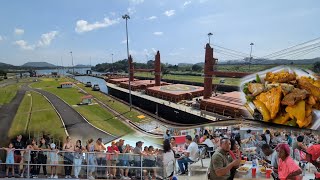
(53, 146)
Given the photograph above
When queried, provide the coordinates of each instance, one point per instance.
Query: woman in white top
(168, 159)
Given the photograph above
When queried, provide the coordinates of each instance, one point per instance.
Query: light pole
(126, 17)
(209, 35)
(112, 63)
(72, 63)
(251, 44)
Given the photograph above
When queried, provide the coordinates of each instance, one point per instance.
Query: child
(26, 158)
(10, 159)
(53, 160)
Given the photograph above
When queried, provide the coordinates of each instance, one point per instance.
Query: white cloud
(24, 45)
(18, 31)
(174, 54)
(83, 25)
(112, 13)
(186, 3)
(136, 1)
(169, 13)
(131, 10)
(154, 50)
(152, 18)
(158, 33)
(1, 38)
(47, 38)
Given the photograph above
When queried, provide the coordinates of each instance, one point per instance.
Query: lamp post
(209, 35)
(112, 63)
(72, 63)
(251, 44)
(126, 17)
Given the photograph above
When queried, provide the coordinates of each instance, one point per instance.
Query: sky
(37, 30)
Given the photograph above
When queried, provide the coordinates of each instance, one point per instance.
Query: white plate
(262, 74)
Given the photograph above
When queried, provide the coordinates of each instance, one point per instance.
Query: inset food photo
(283, 95)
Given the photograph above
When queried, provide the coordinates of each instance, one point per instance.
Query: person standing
(138, 156)
(167, 135)
(168, 159)
(221, 164)
(91, 160)
(10, 159)
(289, 139)
(68, 157)
(100, 148)
(78, 150)
(113, 154)
(18, 144)
(42, 156)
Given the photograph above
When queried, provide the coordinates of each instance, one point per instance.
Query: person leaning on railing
(42, 156)
(112, 156)
(34, 158)
(68, 156)
(78, 150)
(99, 147)
(26, 158)
(91, 160)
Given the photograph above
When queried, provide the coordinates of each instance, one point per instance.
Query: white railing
(139, 163)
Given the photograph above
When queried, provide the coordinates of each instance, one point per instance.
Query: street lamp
(72, 63)
(112, 64)
(251, 44)
(126, 17)
(209, 34)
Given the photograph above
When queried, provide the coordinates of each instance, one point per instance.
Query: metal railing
(91, 162)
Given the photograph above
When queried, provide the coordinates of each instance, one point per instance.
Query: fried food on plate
(281, 118)
(304, 83)
(295, 96)
(298, 111)
(262, 109)
(255, 88)
(242, 168)
(271, 99)
(280, 77)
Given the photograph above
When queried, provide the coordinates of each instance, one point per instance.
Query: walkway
(8, 112)
(76, 125)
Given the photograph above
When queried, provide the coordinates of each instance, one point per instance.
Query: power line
(286, 49)
(295, 51)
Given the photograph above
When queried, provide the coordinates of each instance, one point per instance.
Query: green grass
(198, 79)
(7, 93)
(95, 114)
(116, 105)
(43, 117)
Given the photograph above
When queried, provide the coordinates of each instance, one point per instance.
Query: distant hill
(38, 64)
(6, 66)
(82, 66)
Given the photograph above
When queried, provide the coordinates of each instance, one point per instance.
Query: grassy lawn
(116, 105)
(43, 117)
(199, 79)
(95, 114)
(8, 93)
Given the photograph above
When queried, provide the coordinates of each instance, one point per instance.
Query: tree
(316, 67)
(196, 67)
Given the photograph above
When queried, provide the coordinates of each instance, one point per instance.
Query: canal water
(94, 80)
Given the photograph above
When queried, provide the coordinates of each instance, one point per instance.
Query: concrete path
(8, 112)
(76, 125)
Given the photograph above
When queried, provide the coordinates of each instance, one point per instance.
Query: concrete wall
(165, 111)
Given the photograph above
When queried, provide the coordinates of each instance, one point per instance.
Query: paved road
(76, 125)
(7, 114)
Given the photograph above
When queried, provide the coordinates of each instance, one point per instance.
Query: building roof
(63, 83)
(87, 97)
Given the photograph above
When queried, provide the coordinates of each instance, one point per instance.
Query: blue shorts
(10, 161)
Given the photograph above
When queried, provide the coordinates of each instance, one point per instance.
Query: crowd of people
(95, 159)
(284, 152)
